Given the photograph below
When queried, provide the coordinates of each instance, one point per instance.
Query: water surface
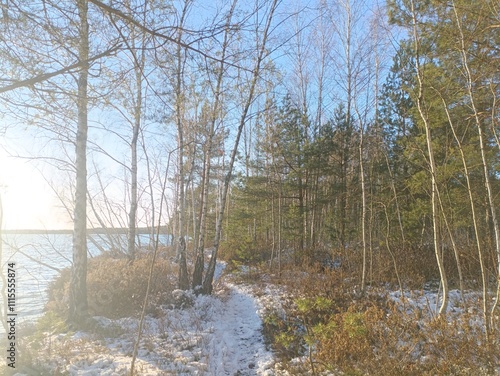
(38, 259)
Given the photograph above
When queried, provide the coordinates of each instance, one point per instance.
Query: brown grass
(116, 288)
(334, 328)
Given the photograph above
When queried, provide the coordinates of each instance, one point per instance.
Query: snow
(237, 345)
(429, 301)
(217, 335)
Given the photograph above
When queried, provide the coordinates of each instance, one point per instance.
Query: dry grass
(332, 328)
(116, 288)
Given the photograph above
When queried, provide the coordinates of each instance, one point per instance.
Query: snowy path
(237, 346)
(218, 335)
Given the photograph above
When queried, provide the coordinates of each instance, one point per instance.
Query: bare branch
(156, 33)
(46, 76)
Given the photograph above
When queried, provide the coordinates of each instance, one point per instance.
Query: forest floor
(213, 335)
(229, 333)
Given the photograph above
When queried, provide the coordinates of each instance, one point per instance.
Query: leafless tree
(430, 156)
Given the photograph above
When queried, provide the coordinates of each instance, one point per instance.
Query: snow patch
(215, 335)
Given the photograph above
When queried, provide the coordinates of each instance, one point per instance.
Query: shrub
(346, 332)
(116, 288)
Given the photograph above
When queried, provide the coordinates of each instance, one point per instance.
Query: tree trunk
(183, 281)
(132, 215)
(199, 265)
(482, 146)
(432, 167)
(200, 251)
(363, 207)
(78, 305)
(477, 234)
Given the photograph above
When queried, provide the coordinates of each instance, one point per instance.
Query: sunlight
(28, 201)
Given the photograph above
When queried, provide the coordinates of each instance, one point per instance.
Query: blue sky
(30, 202)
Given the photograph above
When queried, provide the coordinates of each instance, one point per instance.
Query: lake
(38, 259)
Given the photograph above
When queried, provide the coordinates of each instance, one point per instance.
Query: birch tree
(138, 55)
(354, 77)
(430, 156)
(78, 305)
(482, 142)
(212, 118)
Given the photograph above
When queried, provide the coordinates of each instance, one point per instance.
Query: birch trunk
(183, 279)
(139, 62)
(199, 264)
(432, 165)
(477, 234)
(78, 305)
(482, 143)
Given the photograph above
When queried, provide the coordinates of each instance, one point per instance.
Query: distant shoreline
(141, 230)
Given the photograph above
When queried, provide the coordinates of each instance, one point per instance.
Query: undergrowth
(116, 287)
(328, 327)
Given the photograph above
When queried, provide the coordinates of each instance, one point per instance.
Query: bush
(116, 288)
(332, 327)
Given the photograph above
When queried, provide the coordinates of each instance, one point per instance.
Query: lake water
(38, 259)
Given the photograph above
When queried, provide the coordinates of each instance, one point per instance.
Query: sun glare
(27, 200)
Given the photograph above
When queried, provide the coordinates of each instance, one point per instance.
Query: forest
(347, 142)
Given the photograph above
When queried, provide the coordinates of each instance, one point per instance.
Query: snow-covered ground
(236, 346)
(217, 335)
(213, 335)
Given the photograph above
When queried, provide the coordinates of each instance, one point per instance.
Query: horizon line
(89, 230)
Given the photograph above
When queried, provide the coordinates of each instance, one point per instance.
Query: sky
(27, 178)
(28, 201)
